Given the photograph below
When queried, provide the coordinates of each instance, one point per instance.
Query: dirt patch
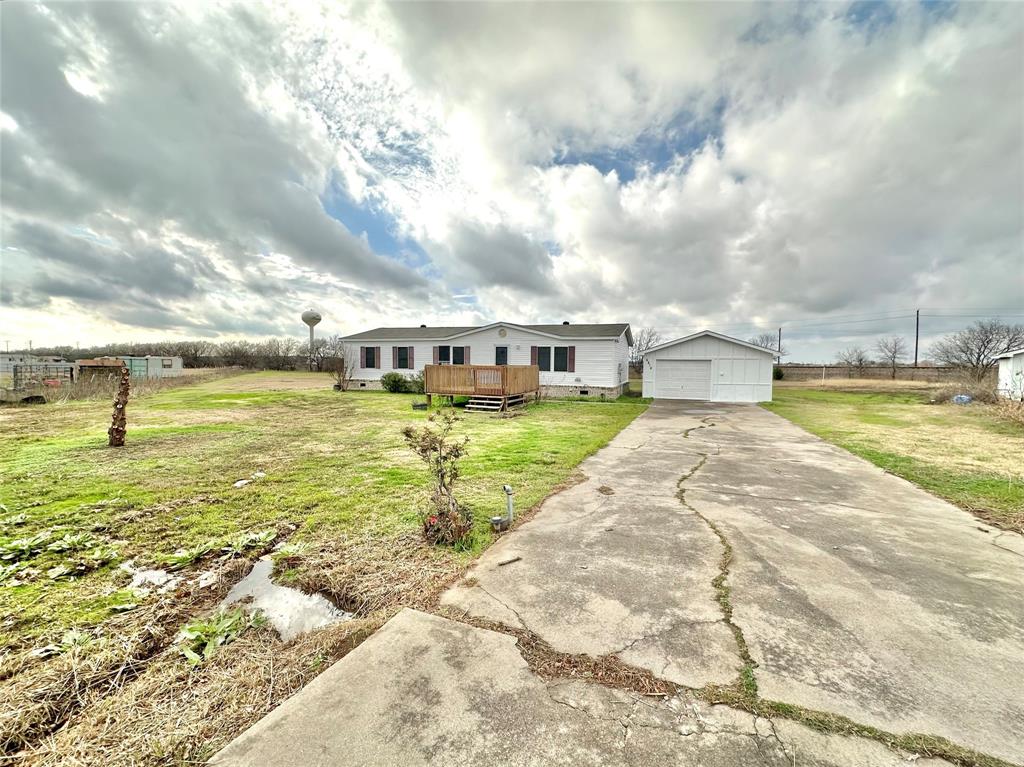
(176, 714)
(41, 693)
(129, 697)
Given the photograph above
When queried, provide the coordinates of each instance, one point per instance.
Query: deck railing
(484, 380)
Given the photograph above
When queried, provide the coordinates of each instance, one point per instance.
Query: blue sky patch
(656, 148)
(378, 225)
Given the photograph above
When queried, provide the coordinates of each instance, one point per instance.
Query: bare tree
(240, 353)
(321, 351)
(769, 341)
(645, 339)
(892, 350)
(855, 359)
(342, 363)
(277, 353)
(194, 354)
(975, 349)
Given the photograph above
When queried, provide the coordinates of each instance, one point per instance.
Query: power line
(829, 323)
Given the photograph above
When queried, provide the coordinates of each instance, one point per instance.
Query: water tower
(311, 318)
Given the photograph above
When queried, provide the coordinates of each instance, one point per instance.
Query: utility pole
(917, 333)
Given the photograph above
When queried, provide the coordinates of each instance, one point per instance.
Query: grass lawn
(965, 454)
(339, 482)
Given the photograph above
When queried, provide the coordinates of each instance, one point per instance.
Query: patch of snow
(289, 610)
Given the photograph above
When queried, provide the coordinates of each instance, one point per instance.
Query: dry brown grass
(862, 384)
(175, 714)
(375, 573)
(291, 381)
(130, 698)
(1010, 411)
(40, 694)
(548, 663)
(102, 387)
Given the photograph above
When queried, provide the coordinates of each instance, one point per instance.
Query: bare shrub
(103, 387)
(342, 364)
(446, 521)
(1010, 410)
(978, 391)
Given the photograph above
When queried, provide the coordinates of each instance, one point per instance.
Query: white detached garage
(708, 366)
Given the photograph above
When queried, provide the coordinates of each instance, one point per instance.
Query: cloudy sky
(174, 171)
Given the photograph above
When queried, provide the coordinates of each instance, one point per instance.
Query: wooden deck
(490, 387)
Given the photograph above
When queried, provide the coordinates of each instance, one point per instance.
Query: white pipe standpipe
(500, 523)
(509, 506)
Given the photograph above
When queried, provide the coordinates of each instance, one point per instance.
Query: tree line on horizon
(268, 354)
(974, 349)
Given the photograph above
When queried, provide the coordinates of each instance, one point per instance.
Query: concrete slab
(425, 690)
(860, 594)
(616, 565)
(857, 592)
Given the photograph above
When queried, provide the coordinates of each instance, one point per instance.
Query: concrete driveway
(855, 592)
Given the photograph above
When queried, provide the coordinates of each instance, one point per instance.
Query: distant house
(584, 360)
(708, 366)
(1011, 375)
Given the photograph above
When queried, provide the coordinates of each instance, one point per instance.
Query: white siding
(598, 361)
(622, 367)
(738, 373)
(155, 367)
(1011, 376)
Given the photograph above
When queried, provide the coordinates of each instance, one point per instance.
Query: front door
(500, 355)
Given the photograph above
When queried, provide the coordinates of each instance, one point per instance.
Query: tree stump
(119, 423)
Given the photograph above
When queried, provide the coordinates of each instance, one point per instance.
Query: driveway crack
(507, 606)
(720, 583)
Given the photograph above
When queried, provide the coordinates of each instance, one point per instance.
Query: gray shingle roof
(604, 330)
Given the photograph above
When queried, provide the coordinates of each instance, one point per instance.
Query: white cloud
(770, 161)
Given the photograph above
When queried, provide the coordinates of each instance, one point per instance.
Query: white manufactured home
(708, 366)
(582, 360)
(1011, 375)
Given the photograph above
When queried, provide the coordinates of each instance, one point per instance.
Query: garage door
(682, 379)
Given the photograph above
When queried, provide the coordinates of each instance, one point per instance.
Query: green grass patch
(334, 464)
(966, 455)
